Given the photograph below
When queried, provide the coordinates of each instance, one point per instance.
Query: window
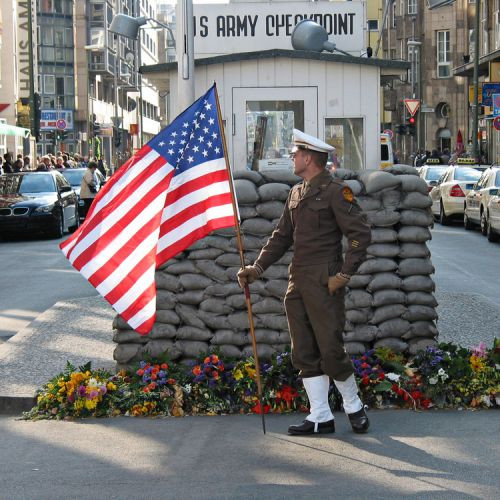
(60, 85)
(47, 34)
(346, 135)
(47, 5)
(472, 44)
(58, 6)
(393, 23)
(484, 28)
(49, 84)
(496, 24)
(373, 25)
(412, 7)
(59, 37)
(443, 54)
(413, 57)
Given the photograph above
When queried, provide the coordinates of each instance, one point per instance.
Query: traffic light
(412, 130)
(37, 115)
(117, 137)
(97, 128)
(401, 129)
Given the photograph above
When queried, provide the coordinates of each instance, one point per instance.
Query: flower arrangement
(445, 376)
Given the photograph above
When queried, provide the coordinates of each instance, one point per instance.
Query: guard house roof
(387, 67)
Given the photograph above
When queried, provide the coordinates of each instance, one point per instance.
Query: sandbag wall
(389, 302)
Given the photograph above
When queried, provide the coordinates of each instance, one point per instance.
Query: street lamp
(128, 27)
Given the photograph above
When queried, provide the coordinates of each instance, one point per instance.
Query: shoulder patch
(348, 194)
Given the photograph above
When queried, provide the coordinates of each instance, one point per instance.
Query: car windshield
(74, 177)
(466, 174)
(497, 179)
(434, 173)
(27, 183)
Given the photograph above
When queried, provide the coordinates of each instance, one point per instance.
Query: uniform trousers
(316, 321)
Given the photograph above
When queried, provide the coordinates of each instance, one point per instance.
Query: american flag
(172, 192)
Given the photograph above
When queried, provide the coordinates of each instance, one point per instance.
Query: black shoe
(307, 427)
(359, 421)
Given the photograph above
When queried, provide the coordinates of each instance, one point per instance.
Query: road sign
(496, 123)
(495, 99)
(389, 132)
(61, 124)
(412, 106)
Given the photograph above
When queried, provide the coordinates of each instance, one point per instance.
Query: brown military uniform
(315, 217)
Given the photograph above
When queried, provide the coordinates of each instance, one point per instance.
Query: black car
(37, 201)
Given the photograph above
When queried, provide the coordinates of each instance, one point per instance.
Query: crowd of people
(48, 162)
(445, 157)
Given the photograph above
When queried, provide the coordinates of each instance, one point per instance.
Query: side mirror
(65, 189)
(433, 183)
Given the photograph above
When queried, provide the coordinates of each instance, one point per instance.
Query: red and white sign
(412, 106)
(389, 132)
(496, 123)
(61, 124)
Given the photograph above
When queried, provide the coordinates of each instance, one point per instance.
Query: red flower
(406, 397)
(365, 365)
(197, 370)
(381, 376)
(365, 380)
(140, 372)
(401, 392)
(395, 387)
(426, 403)
(154, 376)
(257, 408)
(364, 358)
(215, 374)
(206, 360)
(214, 358)
(220, 367)
(164, 366)
(152, 385)
(145, 389)
(171, 381)
(416, 394)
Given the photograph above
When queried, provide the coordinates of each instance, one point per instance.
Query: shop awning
(13, 130)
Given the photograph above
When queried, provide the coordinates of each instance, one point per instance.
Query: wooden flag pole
(242, 260)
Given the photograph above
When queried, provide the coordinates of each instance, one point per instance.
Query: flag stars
(190, 159)
(185, 124)
(196, 149)
(202, 115)
(183, 141)
(204, 153)
(209, 144)
(196, 125)
(170, 151)
(208, 106)
(171, 142)
(217, 150)
(214, 135)
(205, 130)
(174, 134)
(201, 138)
(184, 133)
(211, 121)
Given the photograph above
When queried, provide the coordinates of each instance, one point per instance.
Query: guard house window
(412, 7)
(443, 54)
(373, 25)
(346, 136)
(270, 127)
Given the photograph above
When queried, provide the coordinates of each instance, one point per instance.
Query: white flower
(187, 388)
(444, 377)
(93, 382)
(393, 376)
(433, 380)
(441, 371)
(486, 400)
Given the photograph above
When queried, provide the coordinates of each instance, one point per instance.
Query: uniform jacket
(314, 219)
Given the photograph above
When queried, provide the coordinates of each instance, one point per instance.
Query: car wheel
(490, 234)
(444, 220)
(58, 229)
(483, 224)
(467, 223)
(77, 220)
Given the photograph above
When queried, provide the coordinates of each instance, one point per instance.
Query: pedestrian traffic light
(412, 130)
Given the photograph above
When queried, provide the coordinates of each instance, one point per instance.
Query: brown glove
(247, 275)
(336, 283)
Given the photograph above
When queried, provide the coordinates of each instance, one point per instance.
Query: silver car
(476, 210)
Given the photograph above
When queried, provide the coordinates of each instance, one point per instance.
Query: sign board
(488, 90)
(496, 123)
(56, 119)
(479, 94)
(434, 4)
(425, 109)
(389, 132)
(134, 129)
(246, 27)
(25, 11)
(495, 99)
(412, 105)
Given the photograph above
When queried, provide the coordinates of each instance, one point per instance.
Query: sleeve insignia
(348, 194)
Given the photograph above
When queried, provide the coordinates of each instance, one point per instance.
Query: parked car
(431, 174)
(472, 163)
(493, 218)
(74, 177)
(477, 200)
(37, 201)
(448, 195)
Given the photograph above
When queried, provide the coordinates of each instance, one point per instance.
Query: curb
(15, 405)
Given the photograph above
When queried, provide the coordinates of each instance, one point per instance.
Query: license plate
(469, 186)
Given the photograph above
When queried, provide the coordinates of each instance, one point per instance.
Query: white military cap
(306, 141)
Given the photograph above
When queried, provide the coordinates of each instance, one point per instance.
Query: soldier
(318, 212)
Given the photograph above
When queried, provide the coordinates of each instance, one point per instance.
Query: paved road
(34, 276)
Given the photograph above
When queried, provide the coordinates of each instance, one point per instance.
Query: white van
(386, 154)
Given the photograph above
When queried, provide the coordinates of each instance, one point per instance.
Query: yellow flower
(237, 375)
(90, 404)
(78, 405)
(250, 372)
(50, 386)
(110, 386)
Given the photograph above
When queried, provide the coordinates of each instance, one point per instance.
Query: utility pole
(475, 124)
(185, 55)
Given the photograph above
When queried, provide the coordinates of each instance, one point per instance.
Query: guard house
(266, 93)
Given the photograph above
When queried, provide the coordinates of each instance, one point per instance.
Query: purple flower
(103, 389)
(161, 374)
(142, 364)
(93, 394)
(81, 391)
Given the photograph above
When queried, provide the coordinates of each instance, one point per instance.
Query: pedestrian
(318, 212)
(7, 164)
(89, 187)
(18, 166)
(26, 164)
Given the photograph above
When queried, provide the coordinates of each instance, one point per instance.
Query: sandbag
(227, 232)
(189, 315)
(353, 348)
(286, 259)
(418, 284)
(165, 299)
(389, 250)
(387, 297)
(215, 305)
(162, 331)
(247, 212)
(266, 336)
(257, 226)
(120, 324)
(280, 175)
(357, 299)
(399, 169)
(416, 345)
(277, 288)
(368, 203)
(359, 280)
(420, 313)
(183, 267)
(212, 270)
(395, 344)
(249, 242)
(377, 265)
(382, 218)
(391, 199)
(270, 209)
(422, 299)
(124, 353)
(192, 348)
(384, 235)
(222, 243)
(129, 337)
(276, 272)
(246, 192)
(166, 281)
(250, 175)
(264, 351)
(385, 313)
(414, 234)
(354, 185)
(238, 301)
(239, 321)
(221, 337)
(212, 320)
(359, 315)
(414, 251)
(231, 260)
(205, 254)
(415, 200)
(422, 329)
(384, 281)
(413, 183)
(273, 191)
(230, 351)
(378, 180)
(167, 316)
(412, 267)
(272, 321)
(193, 333)
(268, 305)
(396, 327)
(343, 174)
(223, 290)
(192, 297)
(361, 333)
(416, 217)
